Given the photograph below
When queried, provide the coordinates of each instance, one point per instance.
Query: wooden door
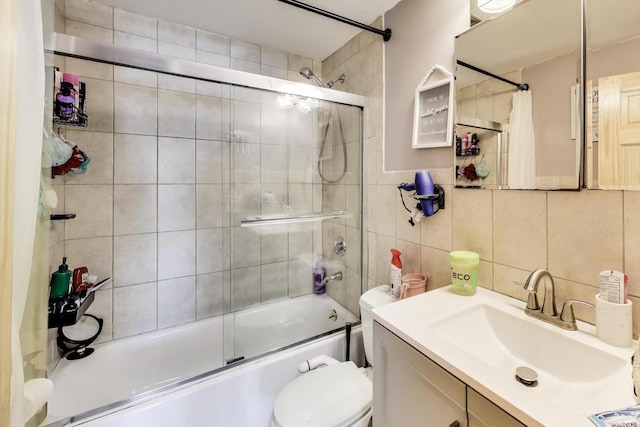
(619, 125)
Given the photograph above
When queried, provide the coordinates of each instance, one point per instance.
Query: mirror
(537, 43)
(613, 94)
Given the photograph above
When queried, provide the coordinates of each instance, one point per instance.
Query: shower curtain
(28, 108)
(522, 141)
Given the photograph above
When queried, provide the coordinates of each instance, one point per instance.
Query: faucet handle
(566, 315)
(532, 299)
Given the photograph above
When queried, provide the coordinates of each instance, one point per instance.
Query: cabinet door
(484, 413)
(409, 390)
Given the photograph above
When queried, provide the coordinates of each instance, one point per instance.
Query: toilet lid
(335, 395)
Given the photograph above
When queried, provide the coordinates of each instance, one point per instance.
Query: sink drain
(527, 376)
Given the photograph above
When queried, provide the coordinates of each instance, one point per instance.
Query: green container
(60, 281)
(464, 272)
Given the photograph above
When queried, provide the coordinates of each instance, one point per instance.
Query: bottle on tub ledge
(318, 279)
(395, 272)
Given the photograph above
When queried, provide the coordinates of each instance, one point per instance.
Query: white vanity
(448, 360)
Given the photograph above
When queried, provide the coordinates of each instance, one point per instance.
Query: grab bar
(273, 219)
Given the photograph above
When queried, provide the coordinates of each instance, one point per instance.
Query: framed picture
(433, 115)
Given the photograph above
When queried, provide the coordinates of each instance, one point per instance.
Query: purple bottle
(318, 279)
(65, 101)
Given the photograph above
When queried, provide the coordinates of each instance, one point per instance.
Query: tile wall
(175, 163)
(574, 235)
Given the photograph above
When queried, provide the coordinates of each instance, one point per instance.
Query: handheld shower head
(340, 79)
(307, 73)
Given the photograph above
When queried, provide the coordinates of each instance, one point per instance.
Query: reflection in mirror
(516, 47)
(613, 94)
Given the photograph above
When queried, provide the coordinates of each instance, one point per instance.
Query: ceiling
(269, 23)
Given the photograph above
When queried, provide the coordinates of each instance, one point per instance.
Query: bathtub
(150, 364)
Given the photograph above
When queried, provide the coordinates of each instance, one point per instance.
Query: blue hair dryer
(426, 192)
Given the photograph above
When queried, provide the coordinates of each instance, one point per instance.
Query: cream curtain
(522, 143)
(8, 16)
(26, 169)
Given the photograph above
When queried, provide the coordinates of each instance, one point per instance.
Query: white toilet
(337, 395)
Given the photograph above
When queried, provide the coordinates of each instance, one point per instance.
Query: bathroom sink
(482, 339)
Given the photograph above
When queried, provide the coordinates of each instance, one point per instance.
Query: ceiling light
(495, 6)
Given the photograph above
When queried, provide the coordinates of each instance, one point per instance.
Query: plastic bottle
(464, 272)
(60, 281)
(395, 272)
(318, 279)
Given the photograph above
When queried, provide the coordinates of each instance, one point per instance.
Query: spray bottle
(395, 272)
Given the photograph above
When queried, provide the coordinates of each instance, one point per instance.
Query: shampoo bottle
(318, 279)
(395, 272)
(60, 281)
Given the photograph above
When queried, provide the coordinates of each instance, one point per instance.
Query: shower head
(307, 73)
(336, 80)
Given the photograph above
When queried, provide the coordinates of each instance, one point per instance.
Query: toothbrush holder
(614, 322)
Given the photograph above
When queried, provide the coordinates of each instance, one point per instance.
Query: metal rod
(275, 219)
(520, 86)
(386, 33)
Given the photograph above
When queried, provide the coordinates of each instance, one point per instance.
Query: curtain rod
(386, 33)
(520, 86)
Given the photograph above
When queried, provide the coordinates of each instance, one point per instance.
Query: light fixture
(495, 6)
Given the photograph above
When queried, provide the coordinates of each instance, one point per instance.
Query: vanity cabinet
(409, 389)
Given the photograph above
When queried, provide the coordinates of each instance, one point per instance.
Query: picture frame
(433, 115)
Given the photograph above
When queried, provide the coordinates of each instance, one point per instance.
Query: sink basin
(505, 342)
(482, 339)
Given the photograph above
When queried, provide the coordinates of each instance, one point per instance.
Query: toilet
(336, 395)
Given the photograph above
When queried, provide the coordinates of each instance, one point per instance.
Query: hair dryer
(426, 192)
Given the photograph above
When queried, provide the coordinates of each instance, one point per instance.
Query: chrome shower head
(340, 79)
(307, 73)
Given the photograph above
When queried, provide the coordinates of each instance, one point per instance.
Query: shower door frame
(76, 47)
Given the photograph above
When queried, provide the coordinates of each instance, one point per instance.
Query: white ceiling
(269, 23)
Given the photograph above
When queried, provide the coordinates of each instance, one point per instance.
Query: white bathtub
(127, 367)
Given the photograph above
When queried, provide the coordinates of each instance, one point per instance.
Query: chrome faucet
(334, 276)
(548, 312)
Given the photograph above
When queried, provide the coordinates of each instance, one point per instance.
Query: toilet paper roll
(614, 322)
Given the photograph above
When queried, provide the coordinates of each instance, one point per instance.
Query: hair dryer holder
(438, 197)
(417, 214)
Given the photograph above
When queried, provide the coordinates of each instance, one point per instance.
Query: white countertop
(572, 384)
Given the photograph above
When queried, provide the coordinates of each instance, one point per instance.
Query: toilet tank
(373, 298)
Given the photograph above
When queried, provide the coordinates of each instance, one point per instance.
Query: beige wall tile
(134, 209)
(566, 290)
(89, 12)
(211, 42)
(386, 207)
(176, 114)
(137, 111)
(134, 310)
(632, 240)
(581, 243)
(91, 69)
(520, 229)
(176, 254)
(176, 160)
(134, 259)
(176, 301)
(435, 231)
(92, 205)
(135, 24)
(100, 103)
(472, 218)
(210, 295)
(504, 278)
(434, 264)
(135, 159)
(176, 34)
(135, 42)
(88, 31)
(176, 207)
